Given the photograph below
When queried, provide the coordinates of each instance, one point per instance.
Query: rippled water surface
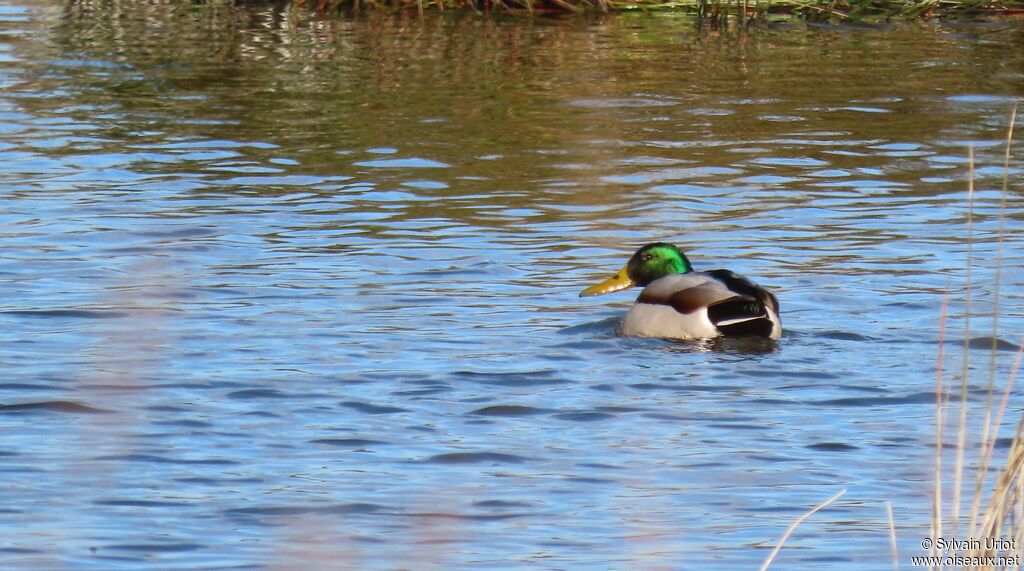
(284, 291)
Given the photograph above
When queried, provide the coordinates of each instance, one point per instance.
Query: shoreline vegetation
(712, 12)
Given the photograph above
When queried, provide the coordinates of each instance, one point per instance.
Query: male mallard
(679, 303)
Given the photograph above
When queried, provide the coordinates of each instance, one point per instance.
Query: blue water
(287, 291)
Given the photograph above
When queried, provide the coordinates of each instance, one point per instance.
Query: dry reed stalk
(567, 6)
(940, 426)
(1005, 494)
(1006, 501)
(990, 444)
(792, 526)
(961, 439)
(892, 537)
(987, 426)
(1008, 493)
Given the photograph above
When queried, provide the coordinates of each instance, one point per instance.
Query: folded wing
(735, 305)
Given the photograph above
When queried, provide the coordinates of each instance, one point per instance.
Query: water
(287, 291)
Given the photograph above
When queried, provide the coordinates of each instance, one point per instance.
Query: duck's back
(703, 304)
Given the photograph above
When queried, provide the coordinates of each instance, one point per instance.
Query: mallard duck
(679, 303)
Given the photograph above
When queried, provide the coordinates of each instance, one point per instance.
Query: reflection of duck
(679, 303)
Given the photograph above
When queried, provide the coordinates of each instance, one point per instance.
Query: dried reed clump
(998, 516)
(995, 524)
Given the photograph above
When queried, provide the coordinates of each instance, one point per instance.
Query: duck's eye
(647, 257)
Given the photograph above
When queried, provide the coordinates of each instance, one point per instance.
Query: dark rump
(756, 318)
(754, 308)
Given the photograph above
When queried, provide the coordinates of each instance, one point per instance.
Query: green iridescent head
(649, 263)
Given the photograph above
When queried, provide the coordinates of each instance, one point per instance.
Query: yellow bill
(618, 282)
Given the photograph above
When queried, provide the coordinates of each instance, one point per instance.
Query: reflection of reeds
(422, 537)
(991, 521)
(713, 12)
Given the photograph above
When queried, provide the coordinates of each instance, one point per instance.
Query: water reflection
(285, 288)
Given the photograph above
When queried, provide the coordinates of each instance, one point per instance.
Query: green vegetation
(713, 12)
